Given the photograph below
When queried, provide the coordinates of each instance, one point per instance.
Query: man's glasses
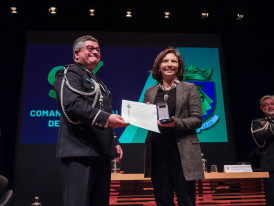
(91, 49)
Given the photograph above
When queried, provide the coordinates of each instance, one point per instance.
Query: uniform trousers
(269, 189)
(85, 181)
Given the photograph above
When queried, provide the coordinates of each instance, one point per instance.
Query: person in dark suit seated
(173, 157)
(262, 131)
(86, 142)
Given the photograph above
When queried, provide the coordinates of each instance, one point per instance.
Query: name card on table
(237, 168)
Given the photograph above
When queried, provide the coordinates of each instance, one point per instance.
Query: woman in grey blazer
(173, 157)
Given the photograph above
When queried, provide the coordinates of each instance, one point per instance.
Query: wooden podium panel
(131, 189)
(226, 189)
(222, 189)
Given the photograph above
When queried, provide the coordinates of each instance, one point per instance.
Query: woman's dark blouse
(165, 142)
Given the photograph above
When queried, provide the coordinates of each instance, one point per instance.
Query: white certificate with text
(140, 115)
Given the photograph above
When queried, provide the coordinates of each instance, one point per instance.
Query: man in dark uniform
(263, 134)
(86, 142)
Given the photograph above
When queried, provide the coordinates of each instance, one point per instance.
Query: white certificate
(140, 114)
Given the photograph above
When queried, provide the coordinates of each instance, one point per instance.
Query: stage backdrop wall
(126, 61)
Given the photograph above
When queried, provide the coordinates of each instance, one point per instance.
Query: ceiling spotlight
(167, 14)
(13, 9)
(52, 10)
(129, 13)
(204, 15)
(239, 17)
(92, 12)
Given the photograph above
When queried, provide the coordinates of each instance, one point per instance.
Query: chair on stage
(6, 195)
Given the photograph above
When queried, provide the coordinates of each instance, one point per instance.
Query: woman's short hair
(156, 73)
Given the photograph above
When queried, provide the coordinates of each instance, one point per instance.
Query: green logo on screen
(52, 75)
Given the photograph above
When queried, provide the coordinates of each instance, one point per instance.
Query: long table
(222, 189)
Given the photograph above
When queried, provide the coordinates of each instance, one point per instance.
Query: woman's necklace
(166, 94)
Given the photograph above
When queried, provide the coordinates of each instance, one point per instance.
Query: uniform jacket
(188, 115)
(265, 135)
(90, 137)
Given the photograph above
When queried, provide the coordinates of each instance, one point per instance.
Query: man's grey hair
(266, 97)
(78, 43)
